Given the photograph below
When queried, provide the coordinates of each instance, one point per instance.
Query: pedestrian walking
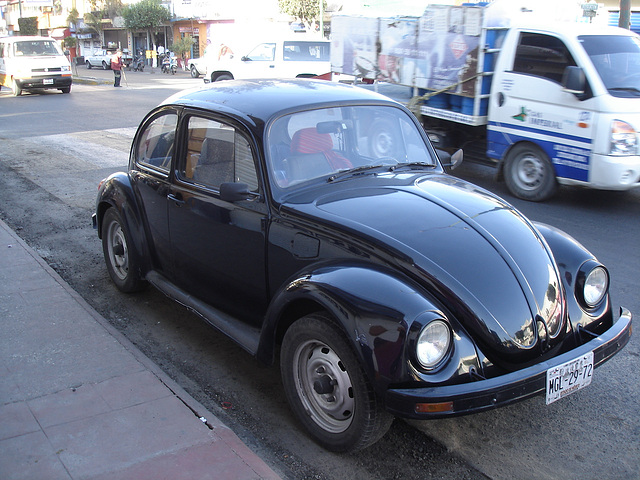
(116, 66)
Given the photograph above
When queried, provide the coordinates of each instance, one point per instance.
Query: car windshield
(617, 59)
(317, 144)
(36, 48)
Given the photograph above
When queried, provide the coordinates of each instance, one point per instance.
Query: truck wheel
(327, 389)
(224, 76)
(194, 72)
(16, 88)
(122, 261)
(529, 173)
(66, 89)
(381, 140)
(104, 65)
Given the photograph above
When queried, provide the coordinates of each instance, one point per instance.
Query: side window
(264, 52)
(156, 144)
(217, 153)
(542, 55)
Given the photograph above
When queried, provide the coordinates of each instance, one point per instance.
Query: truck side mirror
(574, 81)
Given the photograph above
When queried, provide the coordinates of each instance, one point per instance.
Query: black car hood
(461, 240)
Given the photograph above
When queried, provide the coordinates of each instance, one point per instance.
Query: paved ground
(78, 400)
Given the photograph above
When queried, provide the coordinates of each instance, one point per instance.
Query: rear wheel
(88, 64)
(66, 89)
(224, 76)
(327, 388)
(122, 261)
(529, 173)
(104, 65)
(194, 72)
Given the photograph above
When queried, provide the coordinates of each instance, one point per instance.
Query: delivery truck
(547, 103)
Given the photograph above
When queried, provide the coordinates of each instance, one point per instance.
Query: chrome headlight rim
(592, 285)
(433, 344)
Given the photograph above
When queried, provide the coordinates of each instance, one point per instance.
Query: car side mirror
(234, 191)
(449, 160)
(574, 80)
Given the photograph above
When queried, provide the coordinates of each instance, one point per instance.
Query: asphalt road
(56, 148)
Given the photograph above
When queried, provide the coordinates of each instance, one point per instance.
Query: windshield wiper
(358, 171)
(413, 165)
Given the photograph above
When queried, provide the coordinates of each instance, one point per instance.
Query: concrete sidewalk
(78, 400)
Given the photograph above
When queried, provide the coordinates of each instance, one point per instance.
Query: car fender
(116, 191)
(379, 311)
(571, 258)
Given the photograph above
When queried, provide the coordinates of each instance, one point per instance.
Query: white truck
(547, 103)
(287, 58)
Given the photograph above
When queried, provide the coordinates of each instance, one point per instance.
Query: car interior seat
(312, 156)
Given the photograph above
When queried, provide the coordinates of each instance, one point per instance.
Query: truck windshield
(617, 59)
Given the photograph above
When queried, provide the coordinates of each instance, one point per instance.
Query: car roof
(263, 99)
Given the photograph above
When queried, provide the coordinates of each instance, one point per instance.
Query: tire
(16, 88)
(327, 388)
(123, 263)
(66, 89)
(224, 76)
(194, 72)
(529, 173)
(381, 140)
(104, 65)
(88, 65)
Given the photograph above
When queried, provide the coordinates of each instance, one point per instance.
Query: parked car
(273, 59)
(313, 221)
(197, 66)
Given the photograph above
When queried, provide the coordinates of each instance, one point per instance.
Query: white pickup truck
(102, 58)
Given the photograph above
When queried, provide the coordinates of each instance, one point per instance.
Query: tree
(182, 46)
(146, 15)
(28, 25)
(308, 11)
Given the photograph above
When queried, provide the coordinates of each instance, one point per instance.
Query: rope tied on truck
(414, 103)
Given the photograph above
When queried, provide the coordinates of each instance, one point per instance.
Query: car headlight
(592, 284)
(433, 344)
(624, 139)
(595, 286)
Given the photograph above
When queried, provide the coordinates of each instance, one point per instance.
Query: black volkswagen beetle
(313, 222)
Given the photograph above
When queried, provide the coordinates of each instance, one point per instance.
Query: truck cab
(564, 109)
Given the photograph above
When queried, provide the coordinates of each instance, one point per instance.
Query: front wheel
(88, 65)
(194, 72)
(16, 88)
(529, 173)
(104, 65)
(327, 388)
(122, 261)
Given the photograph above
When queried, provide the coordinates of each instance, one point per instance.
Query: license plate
(48, 81)
(569, 377)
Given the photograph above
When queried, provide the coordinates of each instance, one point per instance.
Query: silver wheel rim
(316, 365)
(529, 172)
(382, 144)
(118, 251)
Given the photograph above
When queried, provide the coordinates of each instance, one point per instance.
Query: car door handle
(178, 201)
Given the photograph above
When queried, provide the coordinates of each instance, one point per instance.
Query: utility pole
(625, 14)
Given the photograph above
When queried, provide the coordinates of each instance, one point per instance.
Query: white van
(274, 59)
(33, 63)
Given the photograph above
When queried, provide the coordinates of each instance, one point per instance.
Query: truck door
(539, 130)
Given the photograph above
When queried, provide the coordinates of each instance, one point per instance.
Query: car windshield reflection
(315, 144)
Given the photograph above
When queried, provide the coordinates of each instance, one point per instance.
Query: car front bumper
(452, 400)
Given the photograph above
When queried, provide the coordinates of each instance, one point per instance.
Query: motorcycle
(138, 63)
(169, 65)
